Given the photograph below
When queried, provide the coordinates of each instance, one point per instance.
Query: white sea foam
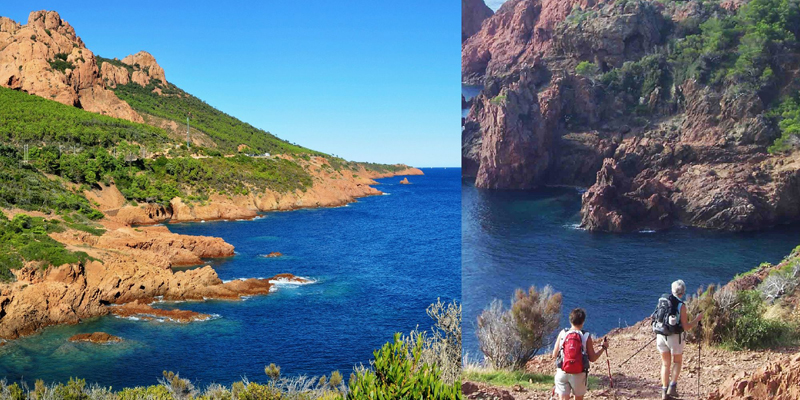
(574, 226)
(290, 282)
(647, 231)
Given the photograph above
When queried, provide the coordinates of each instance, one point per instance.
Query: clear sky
(494, 4)
(365, 80)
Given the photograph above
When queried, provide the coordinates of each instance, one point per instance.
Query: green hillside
(226, 131)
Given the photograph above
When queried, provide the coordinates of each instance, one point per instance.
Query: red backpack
(573, 358)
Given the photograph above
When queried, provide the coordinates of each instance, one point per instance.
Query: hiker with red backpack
(573, 351)
(670, 321)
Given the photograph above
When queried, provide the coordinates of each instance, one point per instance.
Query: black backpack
(668, 306)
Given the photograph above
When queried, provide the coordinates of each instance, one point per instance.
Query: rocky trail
(722, 372)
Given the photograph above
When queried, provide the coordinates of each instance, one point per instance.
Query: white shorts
(671, 344)
(566, 382)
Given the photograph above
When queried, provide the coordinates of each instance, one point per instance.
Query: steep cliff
(473, 13)
(668, 111)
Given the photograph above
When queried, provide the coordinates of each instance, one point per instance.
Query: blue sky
(494, 4)
(365, 80)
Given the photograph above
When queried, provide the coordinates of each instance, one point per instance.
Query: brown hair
(577, 316)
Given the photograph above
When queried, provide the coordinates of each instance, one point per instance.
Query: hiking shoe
(664, 395)
(672, 391)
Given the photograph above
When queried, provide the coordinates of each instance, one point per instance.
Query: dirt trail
(639, 378)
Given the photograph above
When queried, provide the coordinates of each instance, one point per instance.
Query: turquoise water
(378, 263)
(518, 239)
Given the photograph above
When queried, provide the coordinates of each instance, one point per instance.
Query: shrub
(537, 314)
(498, 336)
(177, 387)
(586, 68)
(736, 320)
(510, 338)
(398, 373)
(441, 346)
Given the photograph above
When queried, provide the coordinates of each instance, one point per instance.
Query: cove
(515, 239)
(378, 263)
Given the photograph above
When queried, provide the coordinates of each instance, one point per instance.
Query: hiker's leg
(666, 365)
(677, 363)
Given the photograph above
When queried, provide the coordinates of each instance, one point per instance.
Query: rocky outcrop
(473, 12)
(145, 68)
(274, 254)
(96, 337)
(143, 311)
(518, 34)
(404, 181)
(779, 380)
(46, 58)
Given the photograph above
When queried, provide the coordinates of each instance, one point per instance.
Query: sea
(518, 239)
(376, 265)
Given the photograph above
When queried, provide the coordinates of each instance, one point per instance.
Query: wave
(288, 282)
(647, 231)
(574, 226)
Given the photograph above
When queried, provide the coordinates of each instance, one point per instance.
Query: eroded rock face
(26, 53)
(473, 12)
(519, 33)
(779, 380)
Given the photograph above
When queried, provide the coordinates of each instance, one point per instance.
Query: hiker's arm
(593, 355)
(687, 326)
(555, 347)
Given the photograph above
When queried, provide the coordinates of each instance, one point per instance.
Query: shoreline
(137, 253)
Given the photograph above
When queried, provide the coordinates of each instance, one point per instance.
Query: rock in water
(405, 182)
(97, 337)
(274, 254)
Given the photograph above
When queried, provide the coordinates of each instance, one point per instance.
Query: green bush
(736, 320)
(398, 374)
(586, 68)
(25, 238)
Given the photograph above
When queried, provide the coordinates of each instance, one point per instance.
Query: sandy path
(639, 378)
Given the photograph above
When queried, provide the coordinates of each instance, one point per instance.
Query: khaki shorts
(671, 344)
(566, 382)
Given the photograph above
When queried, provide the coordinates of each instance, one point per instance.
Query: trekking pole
(608, 364)
(639, 351)
(699, 352)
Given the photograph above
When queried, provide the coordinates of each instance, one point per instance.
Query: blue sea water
(517, 239)
(378, 264)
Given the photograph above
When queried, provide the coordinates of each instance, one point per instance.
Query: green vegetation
(227, 131)
(60, 63)
(509, 379)
(736, 320)
(35, 120)
(398, 374)
(24, 238)
(21, 185)
(586, 68)
(788, 115)
(499, 99)
(509, 338)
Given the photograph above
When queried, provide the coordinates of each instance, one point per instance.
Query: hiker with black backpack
(670, 321)
(573, 351)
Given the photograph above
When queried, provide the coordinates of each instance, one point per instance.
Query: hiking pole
(699, 351)
(639, 351)
(608, 364)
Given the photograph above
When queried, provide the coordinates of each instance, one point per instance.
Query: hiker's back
(666, 319)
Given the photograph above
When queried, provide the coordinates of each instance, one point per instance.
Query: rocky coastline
(132, 264)
(691, 154)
